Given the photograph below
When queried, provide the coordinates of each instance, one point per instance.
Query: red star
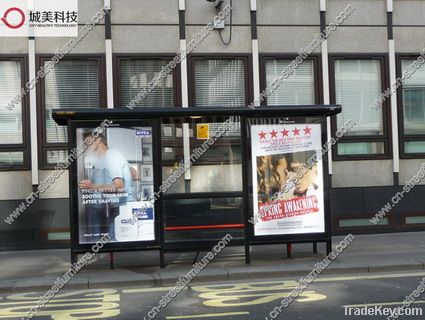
(307, 131)
(273, 134)
(262, 135)
(296, 131)
(285, 132)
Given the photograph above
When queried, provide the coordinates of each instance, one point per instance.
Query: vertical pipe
(255, 53)
(184, 91)
(325, 77)
(108, 54)
(33, 114)
(256, 71)
(393, 100)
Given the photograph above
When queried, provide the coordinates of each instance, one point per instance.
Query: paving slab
(119, 278)
(37, 270)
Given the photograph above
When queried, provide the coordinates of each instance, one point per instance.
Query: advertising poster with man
(287, 187)
(111, 197)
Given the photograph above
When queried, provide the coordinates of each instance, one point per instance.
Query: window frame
(317, 68)
(24, 147)
(118, 57)
(44, 146)
(402, 136)
(247, 58)
(385, 138)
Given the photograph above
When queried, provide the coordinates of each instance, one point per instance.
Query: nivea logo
(143, 132)
(143, 213)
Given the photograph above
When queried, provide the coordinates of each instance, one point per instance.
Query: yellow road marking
(381, 304)
(238, 300)
(320, 279)
(87, 304)
(209, 315)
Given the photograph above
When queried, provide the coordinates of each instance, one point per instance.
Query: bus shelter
(180, 179)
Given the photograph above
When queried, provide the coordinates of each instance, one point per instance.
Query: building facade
(118, 58)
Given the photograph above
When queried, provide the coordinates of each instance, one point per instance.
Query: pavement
(37, 270)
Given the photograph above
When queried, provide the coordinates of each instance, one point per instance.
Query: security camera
(216, 3)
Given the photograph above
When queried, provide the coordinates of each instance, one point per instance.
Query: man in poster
(108, 184)
(286, 202)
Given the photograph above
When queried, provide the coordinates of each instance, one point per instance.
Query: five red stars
(285, 133)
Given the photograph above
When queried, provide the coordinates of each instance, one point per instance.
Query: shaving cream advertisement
(135, 222)
(115, 185)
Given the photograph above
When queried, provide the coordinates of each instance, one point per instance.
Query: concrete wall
(409, 12)
(285, 39)
(288, 12)
(133, 12)
(15, 185)
(13, 46)
(409, 168)
(144, 39)
(365, 173)
(201, 13)
(368, 12)
(93, 43)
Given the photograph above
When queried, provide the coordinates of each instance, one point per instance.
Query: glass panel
(56, 156)
(220, 82)
(183, 216)
(10, 86)
(347, 223)
(136, 74)
(413, 100)
(11, 158)
(298, 89)
(357, 85)
(70, 84)
(360, 148)
(414, 147)
(219, 166)
(58, 236)
(414, 220)
(417, 78)
(414, 110)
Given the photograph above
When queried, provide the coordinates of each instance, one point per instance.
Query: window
(13, 146)
(412, 113)
(218, 169)
(219, 82)
(298, 89)
(136, 73)
(73, 83)
(358, 82)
